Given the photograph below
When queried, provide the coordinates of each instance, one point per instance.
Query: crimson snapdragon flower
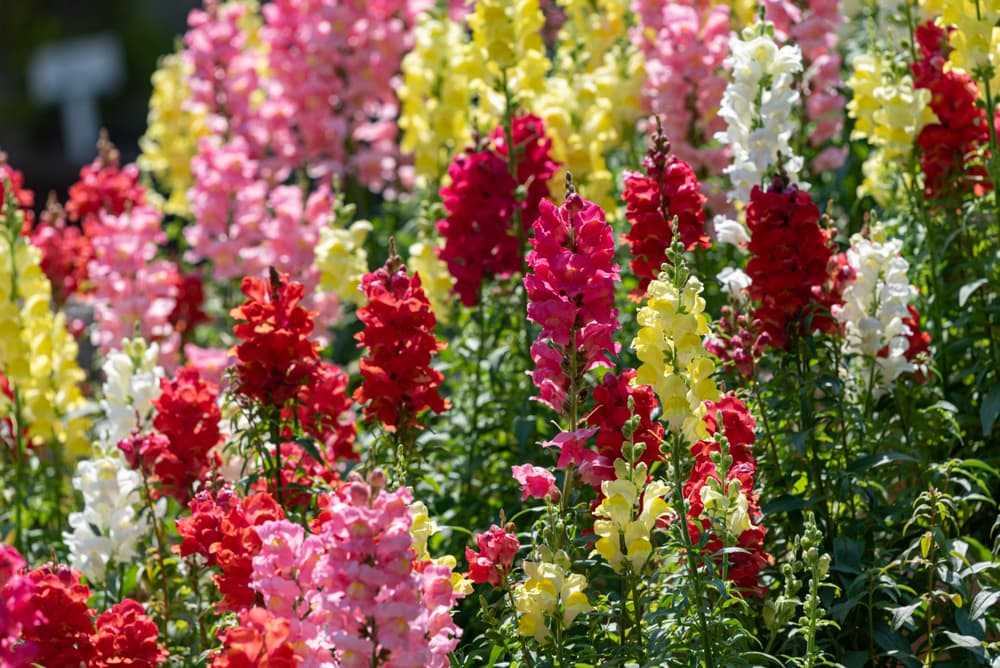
(397, 379)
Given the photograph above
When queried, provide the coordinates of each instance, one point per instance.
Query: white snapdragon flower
(109, 527)
(875, 308)
(758, 107)
(735, 283)
(132, 382)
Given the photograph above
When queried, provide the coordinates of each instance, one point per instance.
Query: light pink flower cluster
(129, 286)
(570, 289)
(813, 26)
(333, 70)
(351, 590)
(245, 226)
(685, 43)
(535, 482)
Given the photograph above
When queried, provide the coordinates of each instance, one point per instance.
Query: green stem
(161, 562)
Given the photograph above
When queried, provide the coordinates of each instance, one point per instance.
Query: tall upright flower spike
(889, 113)
(669, 346)
(398, 382)
(669, 188)
(790, 262)
(435, 115)
(758, 107)
(275, 354)
(37, 352)
(685, 46)
(954, 149)
(18, 613)
(66, 253)
(131, 384)
(508, 39)
(876, 309)
(173, 128)
(109, 528)
(570, 290)
(720, 494)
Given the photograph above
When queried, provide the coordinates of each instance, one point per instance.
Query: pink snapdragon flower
(571, 295)
(535, 482)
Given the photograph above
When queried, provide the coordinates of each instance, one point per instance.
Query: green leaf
(990, 409)
(983, 603)
(966, 290)
(965, 642)
(903, 614)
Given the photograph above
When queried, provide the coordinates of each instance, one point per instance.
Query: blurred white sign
(73, 74)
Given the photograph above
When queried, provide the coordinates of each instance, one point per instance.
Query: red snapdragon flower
(669, 188)
(275, 356)
(260, 639)
(187, 313)
(497, 549)
(397, 379)
(221, 529)
(325, 411)
(187, 419)
(790, 262)
(64, 636)
(104, 187)
(66, 252)
(480, 240)
(953, 150)
(127, 638)
(611, 412)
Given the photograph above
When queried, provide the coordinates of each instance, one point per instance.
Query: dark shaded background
(30, 134)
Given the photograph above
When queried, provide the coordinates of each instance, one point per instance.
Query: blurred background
(68, 68)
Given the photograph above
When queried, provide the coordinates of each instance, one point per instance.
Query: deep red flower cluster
(127, 638)
(738, 426)
(790, 262)
(497, 549)
(480, 240)
(63, 635)
(397, 379)
(187, 419)
(221, 529)
(669, 188)
(953, 150)
(104, 187)
(611, 412)
(18, 613)
(324, 411)
(533, 158)
(187, 313)
(275, 356)
(66, 252)
(261, 639)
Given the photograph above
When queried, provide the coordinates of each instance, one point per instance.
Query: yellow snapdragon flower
(548, 593)
(37, 353)
(174, 127)
(618, 522)
(674, 361)
(342, 259)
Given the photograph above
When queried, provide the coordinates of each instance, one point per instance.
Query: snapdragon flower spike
(398, 382)
(570, 289)
(275, 356)
(790, 262)
(104, 186)
(669, 188)
(480, 241)
(732, 502)
(953, 150)
(18, 613)
(64, 634)
(66, 252)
